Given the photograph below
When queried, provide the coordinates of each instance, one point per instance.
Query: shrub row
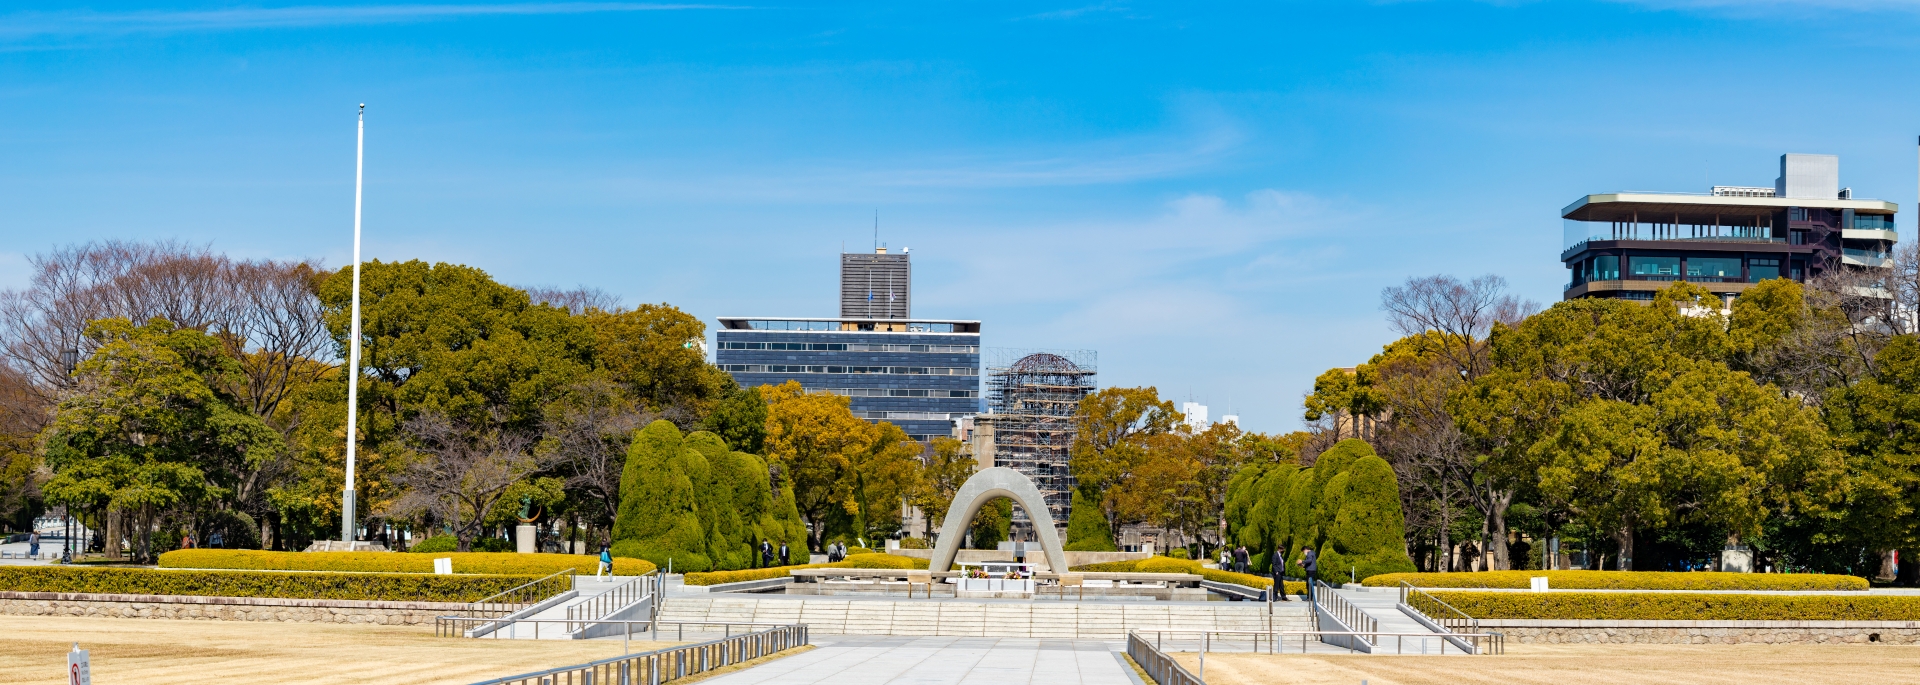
(507, 563)
(1170, 565)
(1682, 606)
(1624, 580)
(392, 587)
(868, 560)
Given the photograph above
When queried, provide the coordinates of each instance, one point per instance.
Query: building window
(1762, 269)
(1712, 268)
(1605, 268)
(1655, 268)
(849, 347)
(898, 370)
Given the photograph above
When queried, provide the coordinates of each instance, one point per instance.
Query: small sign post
(79, 671)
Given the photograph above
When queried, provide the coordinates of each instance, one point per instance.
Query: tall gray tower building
(875, 286)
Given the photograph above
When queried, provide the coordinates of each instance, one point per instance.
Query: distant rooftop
(848, 325)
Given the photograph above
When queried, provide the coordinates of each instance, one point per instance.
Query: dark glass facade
(918, 375)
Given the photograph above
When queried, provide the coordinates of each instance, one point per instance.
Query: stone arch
(987, 486)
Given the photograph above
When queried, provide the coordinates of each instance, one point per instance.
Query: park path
(874, 660)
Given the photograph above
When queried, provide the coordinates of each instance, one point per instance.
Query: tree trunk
(112, 544)
(1444, 555)
(1624, 537)
(1499, 555)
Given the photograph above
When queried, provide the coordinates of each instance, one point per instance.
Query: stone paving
(862, 660)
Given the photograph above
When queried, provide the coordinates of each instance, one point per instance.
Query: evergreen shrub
(436, 544)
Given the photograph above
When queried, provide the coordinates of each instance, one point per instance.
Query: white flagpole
(353, 341)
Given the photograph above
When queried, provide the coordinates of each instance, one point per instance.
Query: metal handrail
(619, 597)
(1451, 620)
(1325, 599)
(1161, 668)
(521, 596)
(671, 663)
(1491, 642)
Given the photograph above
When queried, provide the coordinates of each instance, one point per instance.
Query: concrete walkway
(1050, 620)
(1383, 607)
(944, 661)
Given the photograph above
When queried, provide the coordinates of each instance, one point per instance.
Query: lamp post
(353, 341)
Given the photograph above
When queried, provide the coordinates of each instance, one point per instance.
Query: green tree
(1112, 428)
(145, 432)
(654, 350)
(948, 467)
(741, 419)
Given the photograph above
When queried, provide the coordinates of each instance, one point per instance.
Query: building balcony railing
(1656, 279)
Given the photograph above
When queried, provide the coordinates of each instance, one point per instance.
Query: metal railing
(1160, 667)
(614, 599)
(1325, 600)
(1252, 641)
(1441, 613)
(513, 599)
(665, 665)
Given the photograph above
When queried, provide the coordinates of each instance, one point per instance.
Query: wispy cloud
(1077, 12)
(85, 22)
(1760, 6)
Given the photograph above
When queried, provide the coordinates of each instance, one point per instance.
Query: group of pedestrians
(836, 552)
(767, 552)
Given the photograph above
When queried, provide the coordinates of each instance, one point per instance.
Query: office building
(918, 374)
(1630, 244)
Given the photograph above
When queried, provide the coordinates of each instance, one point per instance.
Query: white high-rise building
(1196, 415)
(1231, 418)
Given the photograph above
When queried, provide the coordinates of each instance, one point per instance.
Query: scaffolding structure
(1032, 396)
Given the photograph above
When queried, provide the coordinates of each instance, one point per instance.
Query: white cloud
(86, 22)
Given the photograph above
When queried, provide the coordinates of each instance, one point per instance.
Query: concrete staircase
(982, 618)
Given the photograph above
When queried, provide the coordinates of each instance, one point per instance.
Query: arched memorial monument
(987, 486)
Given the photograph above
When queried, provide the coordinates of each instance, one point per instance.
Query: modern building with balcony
(1628, 245)
(918, 374)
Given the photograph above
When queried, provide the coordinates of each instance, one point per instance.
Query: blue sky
(1209, 195)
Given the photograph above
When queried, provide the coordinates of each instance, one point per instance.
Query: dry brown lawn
(1581, 665)
(126, 651)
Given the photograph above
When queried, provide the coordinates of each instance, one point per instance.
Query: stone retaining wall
(1705, 632)
(223, 608)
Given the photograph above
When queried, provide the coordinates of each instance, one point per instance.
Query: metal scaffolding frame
(1032, 396)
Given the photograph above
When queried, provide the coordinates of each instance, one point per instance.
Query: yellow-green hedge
(870, 560)
(507, 563)
(1682, 606)
(393, 587)
(1624, 580)
(1170, 565)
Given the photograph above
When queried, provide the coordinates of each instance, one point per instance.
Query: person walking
(1226, 560)
(33, 544)
(606, 563)
(783, 554)
(766, 553)
(1277, 567)
(1240, 559)
(1311, 562)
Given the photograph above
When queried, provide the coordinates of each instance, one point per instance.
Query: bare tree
(589, 430)
(462, 472)
(1453, 320)
(577, 300)
(1461, 313)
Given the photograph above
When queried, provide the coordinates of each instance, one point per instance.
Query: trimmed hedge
(1624, 580)
(1193, 568)
(1681, 606)
(391, 587)
(507, 563)
(889, 561)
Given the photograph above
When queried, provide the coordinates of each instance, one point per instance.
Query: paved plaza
(862, 660)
